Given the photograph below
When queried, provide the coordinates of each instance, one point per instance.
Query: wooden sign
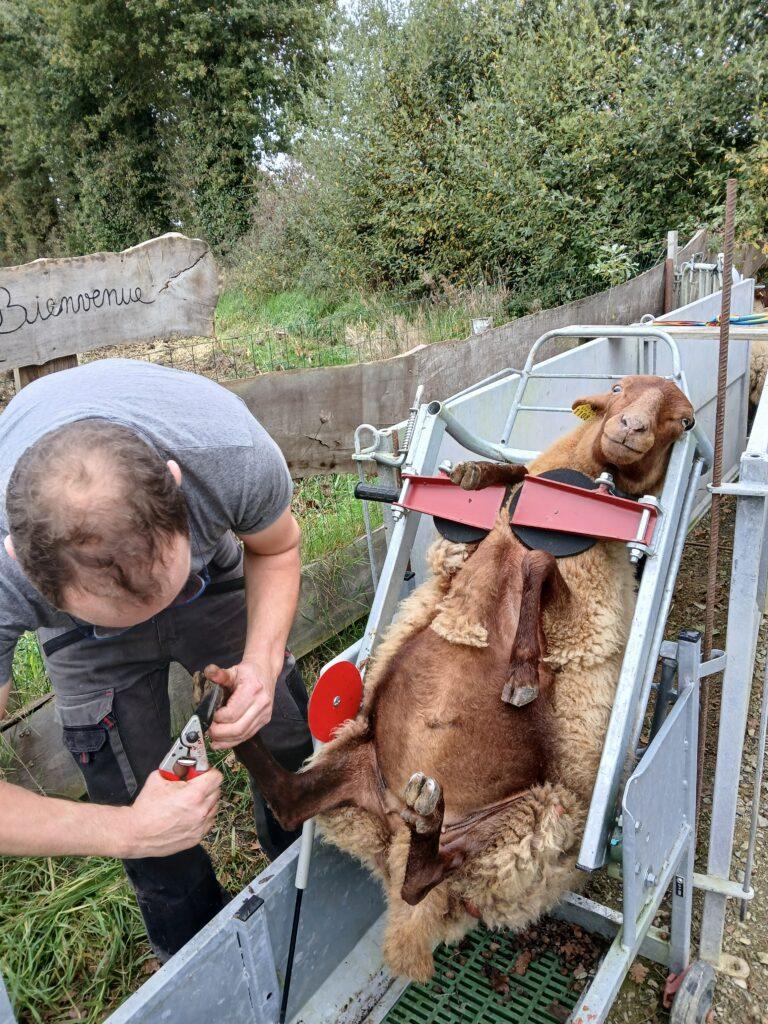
(162, 288)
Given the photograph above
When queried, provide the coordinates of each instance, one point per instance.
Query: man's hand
(249, 707)
(167, 817)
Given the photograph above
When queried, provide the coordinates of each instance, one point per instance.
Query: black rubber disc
(561, 545)
(459, 533)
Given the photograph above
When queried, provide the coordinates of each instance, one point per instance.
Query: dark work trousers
(112, 700)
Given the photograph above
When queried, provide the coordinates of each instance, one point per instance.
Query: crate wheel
(694, 997)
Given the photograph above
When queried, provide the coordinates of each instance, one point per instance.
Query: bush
(549, 144)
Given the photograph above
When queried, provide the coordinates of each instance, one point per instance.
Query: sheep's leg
(529, 675)
(473, 835)
(345, 775)
(423, 814)
(472, 476)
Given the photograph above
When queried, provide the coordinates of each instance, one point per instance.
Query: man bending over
(123, 487)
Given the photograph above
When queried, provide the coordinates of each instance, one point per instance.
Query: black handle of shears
(209, 705)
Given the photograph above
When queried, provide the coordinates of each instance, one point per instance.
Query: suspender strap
(224, 587)
(58, 643)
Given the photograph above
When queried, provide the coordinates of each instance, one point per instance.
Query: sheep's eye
(687, 424)
(616, 389)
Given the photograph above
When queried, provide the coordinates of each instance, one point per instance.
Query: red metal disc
(335, 699)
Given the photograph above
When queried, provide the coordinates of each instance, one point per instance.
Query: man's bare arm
(5, 692)
(165, 818)
(272, 580)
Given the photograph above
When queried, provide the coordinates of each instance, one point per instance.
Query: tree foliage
(123, 118)
(551, 143)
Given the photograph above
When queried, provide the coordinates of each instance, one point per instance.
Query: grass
(29, 678)
(72, 943)
(259, 333)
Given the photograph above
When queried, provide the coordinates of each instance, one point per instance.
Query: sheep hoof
(422, 794)
(519, 696)
(467, 475)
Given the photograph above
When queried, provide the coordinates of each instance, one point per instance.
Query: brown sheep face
(641, 418)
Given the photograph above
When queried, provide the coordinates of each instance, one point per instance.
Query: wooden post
(669, 271)
(24, 375)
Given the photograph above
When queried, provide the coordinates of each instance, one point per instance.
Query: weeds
(29, 678)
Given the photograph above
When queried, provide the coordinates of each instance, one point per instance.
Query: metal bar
(689, 681)
(744, 613)
(291, 955)
(738, 332)
(471, 441)
(665, 601)
(6, 1010)
(740, 489)
(640, 656)
(756, 790)
(726, 887)
(717, 474)
(508, 371)
(544, 408)
(610, 331)
(715, 665)
(425, 445)
(578, 376)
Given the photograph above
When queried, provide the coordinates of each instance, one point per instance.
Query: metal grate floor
(462, 993)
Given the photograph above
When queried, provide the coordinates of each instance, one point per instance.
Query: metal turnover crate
(232, 970)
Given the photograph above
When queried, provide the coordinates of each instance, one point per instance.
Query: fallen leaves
(638, 973)
(499, 981)
(558, 1011)
(523, 962)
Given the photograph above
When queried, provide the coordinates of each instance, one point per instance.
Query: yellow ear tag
(584, 412)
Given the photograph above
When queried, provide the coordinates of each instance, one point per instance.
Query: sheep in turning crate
(469, 806)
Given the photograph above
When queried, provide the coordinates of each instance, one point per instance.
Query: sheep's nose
(635, 422)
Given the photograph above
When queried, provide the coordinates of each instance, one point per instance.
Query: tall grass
(29, 677)
(258, 333)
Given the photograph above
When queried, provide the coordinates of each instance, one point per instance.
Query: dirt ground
(736, 999)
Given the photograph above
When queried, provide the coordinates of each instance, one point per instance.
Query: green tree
(123, 118)
(523, 140)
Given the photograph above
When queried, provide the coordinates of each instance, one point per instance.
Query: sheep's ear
(588, 408)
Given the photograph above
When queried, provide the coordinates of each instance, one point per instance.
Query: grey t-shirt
(234, 475)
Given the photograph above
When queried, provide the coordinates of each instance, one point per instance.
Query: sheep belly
(439, 710)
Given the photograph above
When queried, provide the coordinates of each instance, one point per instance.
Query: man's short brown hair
(92, 505)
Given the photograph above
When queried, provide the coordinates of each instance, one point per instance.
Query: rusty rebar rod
(717, 473)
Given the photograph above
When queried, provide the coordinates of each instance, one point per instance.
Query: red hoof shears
(187, 758)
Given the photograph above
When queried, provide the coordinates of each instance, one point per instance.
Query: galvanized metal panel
(745, 610)
(6, 1010)
(223, 972)
(653, 827)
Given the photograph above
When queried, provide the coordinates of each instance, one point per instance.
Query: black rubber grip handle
(373, 492)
